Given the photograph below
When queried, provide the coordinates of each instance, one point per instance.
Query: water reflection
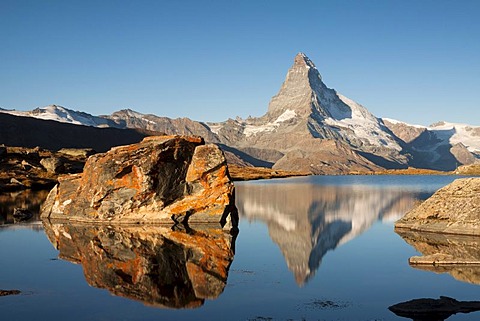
(457, 255)
(156, 265)
(27, 201)
(308, 220)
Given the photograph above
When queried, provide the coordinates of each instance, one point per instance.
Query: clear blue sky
(413, 60)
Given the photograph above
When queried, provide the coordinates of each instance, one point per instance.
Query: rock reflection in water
(156, 265)
(26, 200)
(457, 255)
(308, 220)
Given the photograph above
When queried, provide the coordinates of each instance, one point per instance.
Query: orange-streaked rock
(163, 179)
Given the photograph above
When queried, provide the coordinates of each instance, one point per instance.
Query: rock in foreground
(163, 179)
(453, 209)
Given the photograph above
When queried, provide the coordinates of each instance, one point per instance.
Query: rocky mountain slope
(308, 127)
(53, 135)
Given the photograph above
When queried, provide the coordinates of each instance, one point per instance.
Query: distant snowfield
(451, 133)
(458, 133)
(62, 115)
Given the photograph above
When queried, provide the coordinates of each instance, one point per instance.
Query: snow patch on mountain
(63, 115)
(455, 133)
(396, 122)
(448, 134)
(288, 114)
(250, 130)
(215, 127)
(364, 125)
(133, 115)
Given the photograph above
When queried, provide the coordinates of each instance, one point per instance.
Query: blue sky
(412, 60)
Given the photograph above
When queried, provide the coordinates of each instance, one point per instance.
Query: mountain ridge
(307, 127)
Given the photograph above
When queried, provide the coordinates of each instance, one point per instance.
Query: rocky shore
(37, 168)
(453, 209)
(245, 173)
(445, 229)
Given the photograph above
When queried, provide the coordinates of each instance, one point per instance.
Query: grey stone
(453, 209)
(52, 164)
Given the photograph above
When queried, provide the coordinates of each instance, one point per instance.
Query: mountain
(63, 115)
(312, 127)
(308, 127)
(54, 135)
(441, 146)
(128, 118)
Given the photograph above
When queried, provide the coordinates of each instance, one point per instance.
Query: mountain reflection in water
(308, 220)
(156, 265)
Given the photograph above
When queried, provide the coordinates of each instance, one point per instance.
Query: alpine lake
(308, 248)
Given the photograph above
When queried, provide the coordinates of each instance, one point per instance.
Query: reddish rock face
(163, 179)
(152, 264)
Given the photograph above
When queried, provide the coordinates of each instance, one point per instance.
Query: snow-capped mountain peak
(63, 115)
(304, 92)
(454, 133)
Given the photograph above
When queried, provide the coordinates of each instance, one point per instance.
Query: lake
(308, 248)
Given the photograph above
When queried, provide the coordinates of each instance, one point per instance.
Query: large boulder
(453, 209)
(162, 179)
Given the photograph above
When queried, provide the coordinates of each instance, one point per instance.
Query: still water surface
(310, 248)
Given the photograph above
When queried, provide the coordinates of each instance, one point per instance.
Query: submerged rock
(433, 309)
(9, 292)
(163, 179)
(157, 265)
(453, 209)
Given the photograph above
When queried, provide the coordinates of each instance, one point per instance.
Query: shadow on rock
(457, 255)
(433, 309)
(158, 265)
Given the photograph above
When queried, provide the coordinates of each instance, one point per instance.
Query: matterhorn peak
(301, 59)
(300, 88)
